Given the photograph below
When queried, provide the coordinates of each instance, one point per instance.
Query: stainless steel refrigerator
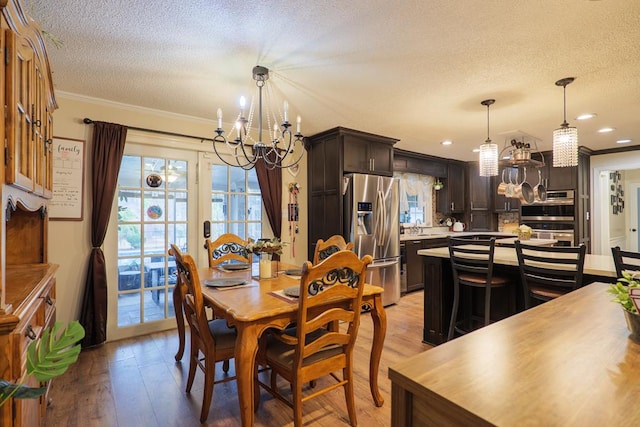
(371, 209)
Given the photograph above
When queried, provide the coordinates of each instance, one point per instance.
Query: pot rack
(520, 150)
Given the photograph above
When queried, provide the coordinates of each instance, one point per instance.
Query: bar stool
(548, 272)
(625, 261)
(472, 265)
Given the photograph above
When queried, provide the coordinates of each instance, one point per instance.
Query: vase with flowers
(265, 249)
(627, 294)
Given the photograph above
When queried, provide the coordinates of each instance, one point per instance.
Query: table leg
(179, 313)
(245, 358)
(379, 317)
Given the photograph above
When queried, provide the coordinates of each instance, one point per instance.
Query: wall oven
(552, 219)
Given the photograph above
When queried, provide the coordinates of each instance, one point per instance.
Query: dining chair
(625, 261)
(548, 272)
(228, 247)
(472, 267)
(211, 340)
(329, 291)
(332, 245)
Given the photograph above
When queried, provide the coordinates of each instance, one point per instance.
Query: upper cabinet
(368, 153)
(451, 198)
(30, 105)
(423, 164)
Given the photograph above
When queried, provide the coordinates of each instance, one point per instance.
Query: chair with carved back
(325, 248)
(548, 272)
(211, 340)
(329, 291)
(228, 247)
(625, 261)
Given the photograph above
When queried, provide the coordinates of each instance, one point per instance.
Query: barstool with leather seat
(472, 265)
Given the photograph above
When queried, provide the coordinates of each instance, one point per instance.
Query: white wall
(70, 241)
(600, 204)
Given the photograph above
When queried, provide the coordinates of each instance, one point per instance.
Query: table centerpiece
(265, 249)
(627, 294)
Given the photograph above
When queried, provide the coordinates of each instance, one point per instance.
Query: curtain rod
(161, 132)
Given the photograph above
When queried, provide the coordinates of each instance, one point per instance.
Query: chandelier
(488, 150)
(565, 138)
(283, 150)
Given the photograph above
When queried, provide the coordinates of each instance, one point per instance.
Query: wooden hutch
(27, 282)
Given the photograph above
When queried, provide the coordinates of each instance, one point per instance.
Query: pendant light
(488, 150)
(565, 138)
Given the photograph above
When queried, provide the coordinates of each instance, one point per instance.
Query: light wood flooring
(137, 382)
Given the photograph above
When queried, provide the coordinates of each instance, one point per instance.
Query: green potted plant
(438, 185)
(622, 296)
(47, 358)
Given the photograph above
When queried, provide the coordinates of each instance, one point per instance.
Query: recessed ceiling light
(605, 130)
(446, 142)
(476, 150)
(586, 116)
(623, 141)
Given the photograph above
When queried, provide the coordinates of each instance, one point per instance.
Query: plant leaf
(21, 391)
(50, 356)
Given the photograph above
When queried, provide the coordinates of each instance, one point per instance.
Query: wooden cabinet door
(480, 220)
(415, 277)
(381, 156)
(356, 155)
(479, 189)
(48, 155)
(456, 187)
(20, 154)
(562, 178)
(38, 113)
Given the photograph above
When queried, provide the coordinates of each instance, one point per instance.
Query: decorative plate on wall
(154, 212)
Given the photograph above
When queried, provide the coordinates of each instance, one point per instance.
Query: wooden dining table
(256, 306)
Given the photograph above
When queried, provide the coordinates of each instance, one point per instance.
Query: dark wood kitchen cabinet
(366, 153)
(327, 154)
(415, 269)
(480, 217)
(451, 200)
(423, 164)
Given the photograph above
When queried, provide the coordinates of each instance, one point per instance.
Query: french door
(155, 206)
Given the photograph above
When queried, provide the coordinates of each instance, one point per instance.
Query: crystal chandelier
(488, 150)
(282, 151)
(565, 138)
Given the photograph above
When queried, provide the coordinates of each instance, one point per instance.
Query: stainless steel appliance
(371, 209)
(552, 219)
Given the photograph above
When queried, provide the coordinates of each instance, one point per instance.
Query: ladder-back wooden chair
(333, 244)
(211, 340)
(548, 272)
(228, 247)
(328, 292)
(625, 261)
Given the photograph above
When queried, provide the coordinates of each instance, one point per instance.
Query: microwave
(559, 206)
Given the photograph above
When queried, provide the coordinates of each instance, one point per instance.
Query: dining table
(258, 304)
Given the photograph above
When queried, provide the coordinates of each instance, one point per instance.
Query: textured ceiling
(412, 70)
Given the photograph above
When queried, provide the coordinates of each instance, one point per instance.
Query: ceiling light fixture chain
(565, 138)
(488, 163)
(282, 151)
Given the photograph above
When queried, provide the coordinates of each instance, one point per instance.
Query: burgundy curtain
(108, 148)
(270, 181)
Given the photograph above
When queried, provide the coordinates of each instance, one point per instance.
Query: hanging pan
(524, 191)
(539, 191)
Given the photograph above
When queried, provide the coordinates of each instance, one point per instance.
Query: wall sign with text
(68, 179)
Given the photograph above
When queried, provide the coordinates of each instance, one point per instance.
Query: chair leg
(297, 403)
(347, 374)
(179, 313)
(209, 376)
(225, 366)
(487, 305)
(454, 310)
(193, 363)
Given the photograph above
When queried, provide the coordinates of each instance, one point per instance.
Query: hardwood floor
(137, 382)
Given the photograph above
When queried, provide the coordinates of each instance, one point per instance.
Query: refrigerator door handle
(381, 219)
(383, 264)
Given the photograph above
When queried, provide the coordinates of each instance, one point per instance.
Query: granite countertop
(438, 234)
(597, 265)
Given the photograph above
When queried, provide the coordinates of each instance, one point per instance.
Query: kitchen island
(438, 285)
(568, 362)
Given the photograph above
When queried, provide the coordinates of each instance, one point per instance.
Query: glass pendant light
(565, 138)
(488, 150)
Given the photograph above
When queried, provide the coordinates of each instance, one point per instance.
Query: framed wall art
(68, 180)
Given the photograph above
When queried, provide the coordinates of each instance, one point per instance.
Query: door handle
(634, 230)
